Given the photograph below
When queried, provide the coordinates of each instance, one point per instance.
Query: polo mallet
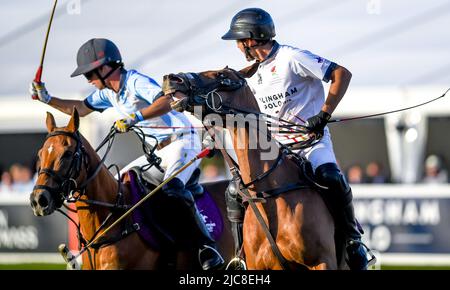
(37, 78)
(69, 257)
(71, 260)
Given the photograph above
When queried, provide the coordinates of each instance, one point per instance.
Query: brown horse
(70, 168)
(298, 220)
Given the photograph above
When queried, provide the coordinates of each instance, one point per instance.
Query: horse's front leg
(257, 250)
(107, 258)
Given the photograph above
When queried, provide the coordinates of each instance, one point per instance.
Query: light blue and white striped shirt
(138, 92)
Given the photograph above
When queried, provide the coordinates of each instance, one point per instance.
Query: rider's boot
(235, 214)
(208, 255)
(340, 198)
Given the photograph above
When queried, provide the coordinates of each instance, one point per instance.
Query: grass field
(63, 267)
(32, 266)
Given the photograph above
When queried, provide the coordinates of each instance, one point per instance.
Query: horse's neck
(103, 187)
(254, 162)
(251, 164)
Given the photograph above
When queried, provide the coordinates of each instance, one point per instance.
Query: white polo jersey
(288, 85)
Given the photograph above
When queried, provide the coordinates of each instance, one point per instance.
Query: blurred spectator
(22, 179)
(355, 174)
(374, 173)
(434, 170)
(6, 182)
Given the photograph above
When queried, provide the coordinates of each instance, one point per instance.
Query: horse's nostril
(43, 201)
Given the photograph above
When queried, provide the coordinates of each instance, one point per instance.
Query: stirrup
(370, 261)
(237, 263)
(373, 260)
(218, 264)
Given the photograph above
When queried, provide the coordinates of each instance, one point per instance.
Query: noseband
(67, 182)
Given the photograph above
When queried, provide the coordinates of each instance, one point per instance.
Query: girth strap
(283, 189)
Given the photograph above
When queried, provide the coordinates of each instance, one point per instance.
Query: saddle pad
(205, 204)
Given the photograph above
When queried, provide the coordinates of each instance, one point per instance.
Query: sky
(383, 43)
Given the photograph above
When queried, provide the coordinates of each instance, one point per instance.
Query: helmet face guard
(251, 23)
(95, 53)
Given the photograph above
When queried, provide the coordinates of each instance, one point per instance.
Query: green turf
(399, 267)
(63, 267)
(32, 266)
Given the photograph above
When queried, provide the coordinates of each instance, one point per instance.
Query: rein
(390, 112)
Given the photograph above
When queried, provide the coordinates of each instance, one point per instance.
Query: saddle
(159, 233)
(148, 182)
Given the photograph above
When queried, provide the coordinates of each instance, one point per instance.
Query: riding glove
(123, 125)
(39, 92)
(318, 122)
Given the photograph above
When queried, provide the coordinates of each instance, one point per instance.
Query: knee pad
(329, 175)
(175, 189)
(235, 209)
(193, 185)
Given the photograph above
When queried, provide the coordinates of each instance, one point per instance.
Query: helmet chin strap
(103, 78)
(248, 55)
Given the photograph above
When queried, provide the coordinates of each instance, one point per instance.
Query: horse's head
(59, 166)
(214, 91)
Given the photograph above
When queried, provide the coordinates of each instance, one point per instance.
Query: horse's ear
(51, 124)
(247, 72)
(74, 122)
(50, 121)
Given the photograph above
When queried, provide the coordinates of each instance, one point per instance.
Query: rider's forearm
(340, 80)
(160, 107)
(66, 106)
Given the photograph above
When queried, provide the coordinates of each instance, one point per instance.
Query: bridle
(67, 182)
(68, 186)
(202, 92)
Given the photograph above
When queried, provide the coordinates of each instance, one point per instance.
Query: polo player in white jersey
(138, 100)
(288, 84)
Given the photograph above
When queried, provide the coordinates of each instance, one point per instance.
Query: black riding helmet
(95, 53)
(253, 23)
